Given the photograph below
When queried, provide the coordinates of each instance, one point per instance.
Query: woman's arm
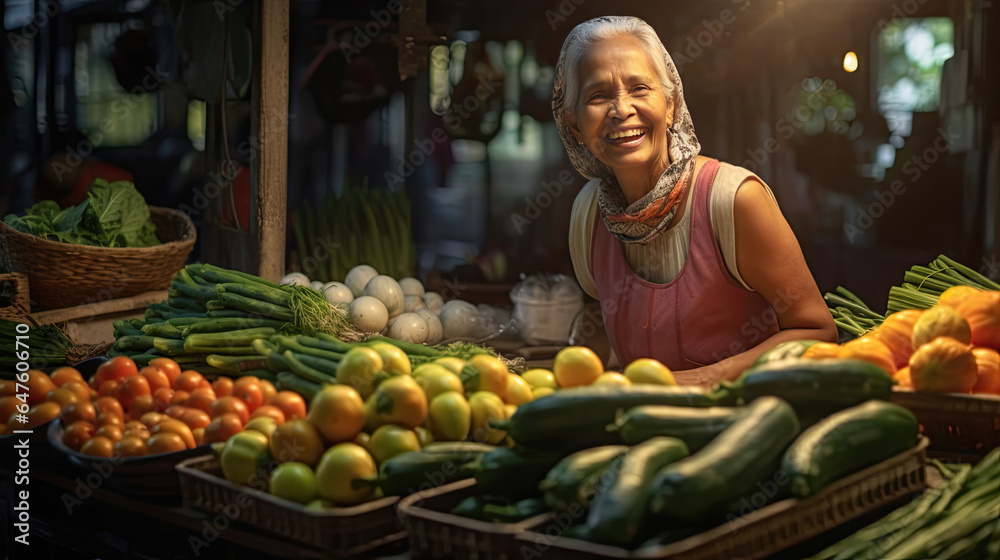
(770, 261)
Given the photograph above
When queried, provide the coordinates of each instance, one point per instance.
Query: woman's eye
(640, 89)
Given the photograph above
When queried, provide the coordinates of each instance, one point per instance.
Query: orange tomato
(8, 387)
(118, 368)
(135, 427)
(166, 442)
(109, 406)
(179, 397)
(108, 389)
(291, 403)
(169, 368)
(80, 410)
(297, 440)
(201, 399)
(131, 388)
(199, 436)
(248, 390)
(77, 434)
(61, 396)
(79, 388)
(162, 398)
(195, 418)
(223, 386)
(142, 404)
(110, 420)
(39, 386)
(231, 404)
(268, 389)
(269, 411)
(188, 380)
(10, 405)
(175, 426)
(114, 433)
(37, 415)
(98, 446)
(64, 374)
(151, 419)
(156, 378)
(222, 427)
(130, 446)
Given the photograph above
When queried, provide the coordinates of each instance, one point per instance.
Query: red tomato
(131, 388)
(108, 389)
(141, 404)
(162, 397)
(231, 404)
(270, 411)
(169, 368)
(222, 427)
(268, 389)
(291, 403)
(118, 368)
(248, 390)
(156, 378)
(109, 406)
(201, 399)
(180, 397)
(223, 387)
(188, 380)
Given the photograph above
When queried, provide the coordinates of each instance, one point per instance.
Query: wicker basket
(345, 531)
(763, 532)
(434, 533)
(68, 274)
(14, 293)
(959, 426)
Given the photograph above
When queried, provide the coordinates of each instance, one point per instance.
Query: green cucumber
(784, 350)
(847, 442)
(231, 324)
(618, 514)
(288, 381)
(163, 330)
(239, 337)
(574, 479)
(514, 473)
(414, 471)
(731, 466)
(695, 426)
(576, 418)
(816, 388)
(235, 364)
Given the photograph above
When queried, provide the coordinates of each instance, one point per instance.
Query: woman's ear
(574, 127)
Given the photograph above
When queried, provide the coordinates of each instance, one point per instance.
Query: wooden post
(271, 131)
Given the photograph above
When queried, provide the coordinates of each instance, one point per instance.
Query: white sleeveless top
(662, 259)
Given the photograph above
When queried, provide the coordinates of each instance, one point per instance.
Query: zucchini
(322, 365)
(235, 364)
(293, 364)
(127, 343)
(618, 515)
(496, 509)
(250, 305)
(513, 473)
(785, 350)
(414, 471)
(695, 426)
(473, 447)
(745, 455)
(575, 478)
(816, 388)
(294, 344)
(847, 442)
(337, 344)
(231, 324)
(242, 337)
(162, 330)
(273, 296)
(577, 418)
(288, 381)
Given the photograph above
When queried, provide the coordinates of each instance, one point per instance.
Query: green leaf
(118, 215)
(69, 219)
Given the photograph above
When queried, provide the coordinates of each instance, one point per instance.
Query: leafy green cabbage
(114, 215)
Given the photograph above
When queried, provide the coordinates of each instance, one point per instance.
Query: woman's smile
(626, 137)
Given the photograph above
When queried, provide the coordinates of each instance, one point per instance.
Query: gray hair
(585, 35)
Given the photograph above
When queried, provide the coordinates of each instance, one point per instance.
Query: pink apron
(699, 318)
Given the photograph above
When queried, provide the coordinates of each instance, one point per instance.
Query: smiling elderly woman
(690, 258)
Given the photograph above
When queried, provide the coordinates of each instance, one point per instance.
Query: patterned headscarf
(649, 216)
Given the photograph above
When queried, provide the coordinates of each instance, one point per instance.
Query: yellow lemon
(577, 365)
(452, 363)
(612, 378)
(650, 372)
(518, 390)
(539, 377)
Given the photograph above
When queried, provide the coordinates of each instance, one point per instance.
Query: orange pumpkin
(955, 295)
(940, 321)
(869, 349)
(944, 365)
(822, 350)
(896, 332)
(982, 311)
(988, 363)
(902, 377)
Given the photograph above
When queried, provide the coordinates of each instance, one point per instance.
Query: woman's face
(624, 113)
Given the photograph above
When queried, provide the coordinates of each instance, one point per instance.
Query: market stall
(350, 353)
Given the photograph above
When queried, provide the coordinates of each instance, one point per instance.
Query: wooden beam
(272, 137)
